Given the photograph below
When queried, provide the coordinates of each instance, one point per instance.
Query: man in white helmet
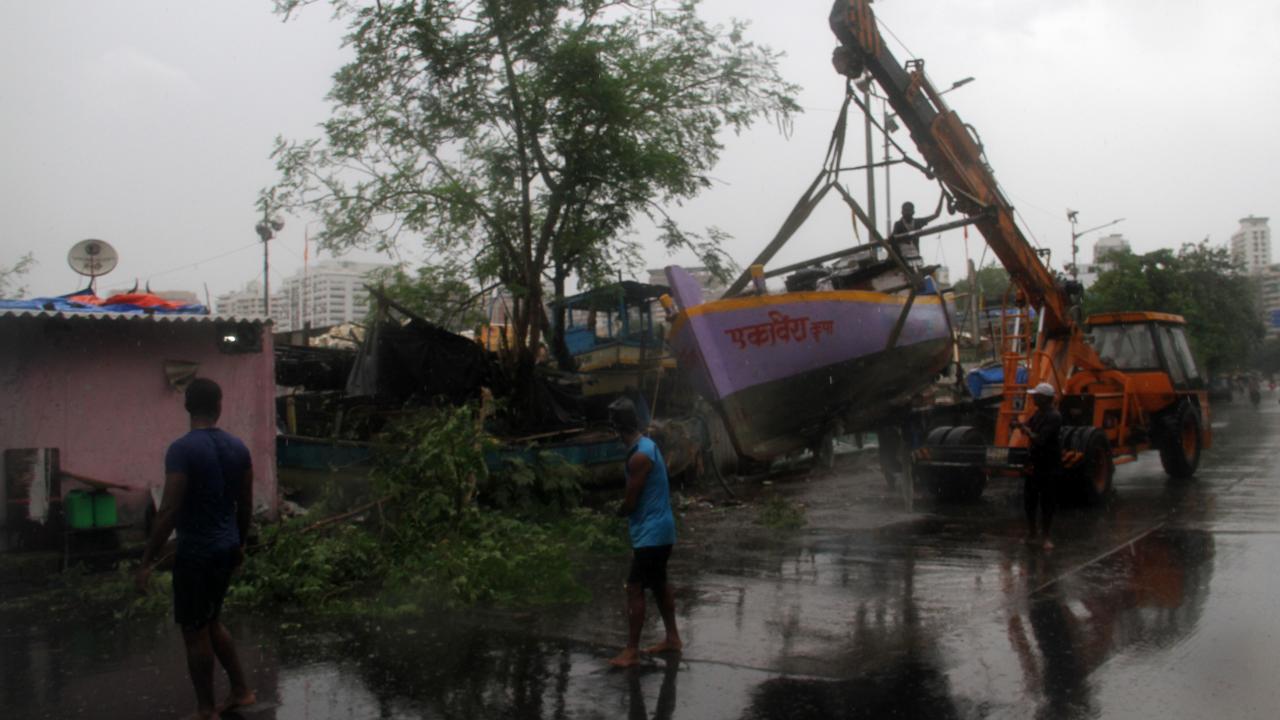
(1045, 468)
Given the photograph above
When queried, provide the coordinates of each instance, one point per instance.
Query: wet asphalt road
(1161, 605)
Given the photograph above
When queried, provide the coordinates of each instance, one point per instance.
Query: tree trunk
(564, 359)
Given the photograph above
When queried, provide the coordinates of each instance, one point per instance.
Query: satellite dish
(92, 257)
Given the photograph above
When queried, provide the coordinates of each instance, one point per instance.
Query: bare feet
(626, 658)
(668, 645)
(244, 698)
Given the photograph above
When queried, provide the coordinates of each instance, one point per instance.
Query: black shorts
(649, 567)
(199, 586)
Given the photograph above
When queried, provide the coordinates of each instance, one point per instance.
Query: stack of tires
(953, 483)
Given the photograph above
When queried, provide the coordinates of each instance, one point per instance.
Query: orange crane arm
(951, 153)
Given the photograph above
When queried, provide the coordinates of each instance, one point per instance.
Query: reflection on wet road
(1159, 605)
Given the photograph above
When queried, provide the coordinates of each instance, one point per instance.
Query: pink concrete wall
(97, 391)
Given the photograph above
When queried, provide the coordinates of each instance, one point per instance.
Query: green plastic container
(79, 509)
(104, 509)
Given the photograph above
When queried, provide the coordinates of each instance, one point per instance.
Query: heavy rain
(570, 359)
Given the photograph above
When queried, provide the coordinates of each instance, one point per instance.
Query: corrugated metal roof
(127, 316)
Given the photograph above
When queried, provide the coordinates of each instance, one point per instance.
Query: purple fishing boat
(788, 370)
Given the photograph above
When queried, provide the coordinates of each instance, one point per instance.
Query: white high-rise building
(331, 292)
(247, 303)
(1251, 245)
(1269, 297)
(1105, 246)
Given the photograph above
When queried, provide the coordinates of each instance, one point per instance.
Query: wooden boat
(788, 370)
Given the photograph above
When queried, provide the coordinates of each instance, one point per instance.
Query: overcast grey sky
(148, 123)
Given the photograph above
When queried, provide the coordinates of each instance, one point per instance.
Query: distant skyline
(148, 124)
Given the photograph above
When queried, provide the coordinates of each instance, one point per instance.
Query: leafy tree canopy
(438, 294)
(1198, 282)
(992, 282)
(525, 138)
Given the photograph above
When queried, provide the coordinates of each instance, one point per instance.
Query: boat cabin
(612, 330)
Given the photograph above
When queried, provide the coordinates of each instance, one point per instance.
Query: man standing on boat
(909, 248)
(647, 506)
(1046, 464)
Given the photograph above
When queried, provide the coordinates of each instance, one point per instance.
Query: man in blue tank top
(647, 506)
(208, 499)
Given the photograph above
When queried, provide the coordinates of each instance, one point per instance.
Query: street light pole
(267, 228)
(1075, 246)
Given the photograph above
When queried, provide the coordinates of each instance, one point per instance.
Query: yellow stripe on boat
(748, 302)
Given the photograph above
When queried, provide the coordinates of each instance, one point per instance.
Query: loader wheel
(953, 484)
(1091, 472)
(1181, 443)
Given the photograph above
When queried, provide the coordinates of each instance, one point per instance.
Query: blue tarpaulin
(85, 301)
(976, 380)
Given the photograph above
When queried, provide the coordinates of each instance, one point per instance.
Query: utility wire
(200, 262)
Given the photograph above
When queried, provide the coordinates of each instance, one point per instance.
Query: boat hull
(784, 369)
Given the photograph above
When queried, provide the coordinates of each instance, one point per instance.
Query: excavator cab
(1147, 343)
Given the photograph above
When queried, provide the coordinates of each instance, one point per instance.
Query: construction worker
(909, 248)
(1045, 466)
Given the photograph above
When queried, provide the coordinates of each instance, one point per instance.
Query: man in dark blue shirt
(208, 499)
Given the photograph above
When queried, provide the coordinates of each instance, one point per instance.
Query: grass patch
(780, 514)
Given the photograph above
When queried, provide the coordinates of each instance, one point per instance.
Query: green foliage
(297, 569)
(548, 482)
(10, 275)
(429, 540)
(498, 559)
(1199, 282)
(526, 139)
(429, 465)
(436, 293)
(992, 282)
(780, 514)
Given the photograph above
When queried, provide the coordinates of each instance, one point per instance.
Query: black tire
(953, 484)
(1181, 442)
(929, 479)
(1089, 478)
